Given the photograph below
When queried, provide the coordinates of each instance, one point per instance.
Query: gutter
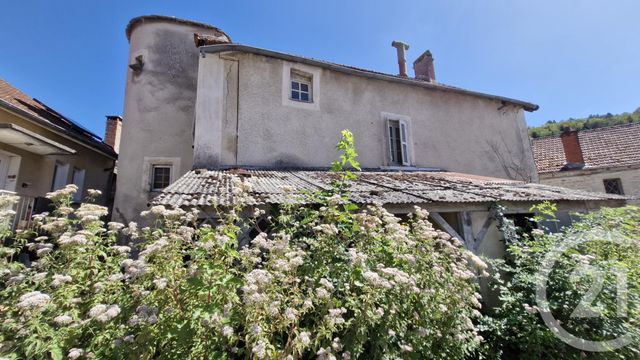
(222, 48)
(54, 128)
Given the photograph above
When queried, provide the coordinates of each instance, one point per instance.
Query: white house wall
(447, 130)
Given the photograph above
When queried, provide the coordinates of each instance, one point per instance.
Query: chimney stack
(402, 60)
(572, 149)
(112, 132)
(423, 67)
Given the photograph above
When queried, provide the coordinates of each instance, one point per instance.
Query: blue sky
(573, 58)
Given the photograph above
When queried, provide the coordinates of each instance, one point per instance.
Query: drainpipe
(402, 61)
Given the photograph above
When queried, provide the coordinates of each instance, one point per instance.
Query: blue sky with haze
(573, 58)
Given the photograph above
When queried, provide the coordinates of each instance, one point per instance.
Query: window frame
(300, 91)
(152, 179)
(618, 184)
(300, 78)
(402, 141)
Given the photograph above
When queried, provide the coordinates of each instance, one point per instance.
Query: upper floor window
(160, 177)
(398, 142)
(301, 86)
(613, 186)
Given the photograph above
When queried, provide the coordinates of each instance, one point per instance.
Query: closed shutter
(78, 180)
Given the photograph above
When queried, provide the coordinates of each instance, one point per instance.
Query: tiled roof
(15, 100)
(601, 148)
(215, 187)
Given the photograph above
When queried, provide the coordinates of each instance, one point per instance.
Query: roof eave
(56, 129)
(212, 49)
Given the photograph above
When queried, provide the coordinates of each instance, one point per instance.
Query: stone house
(201, 110)
(42, 150)
(605, 160)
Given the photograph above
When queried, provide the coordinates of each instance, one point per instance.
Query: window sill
(301, 101)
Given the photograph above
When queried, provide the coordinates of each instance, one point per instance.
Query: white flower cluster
(104, 313)
(63, 320)
(327, 229)
(40, 248)
(160, 283)
(62, 194)
(256, 282)
(91, 212)
(59, 279)
(260, 349)
(33, 300)
(154, 247)
(67, 240)
(121, 249)
(335, 316)
(75, 353)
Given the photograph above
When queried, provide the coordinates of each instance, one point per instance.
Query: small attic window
(301, 86)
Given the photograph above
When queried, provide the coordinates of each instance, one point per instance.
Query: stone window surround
(147, 170)
(313, 72)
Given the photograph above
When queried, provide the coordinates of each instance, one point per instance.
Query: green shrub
(515, 329)
(329, 280)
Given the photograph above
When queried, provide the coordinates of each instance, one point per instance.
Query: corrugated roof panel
(216, 187)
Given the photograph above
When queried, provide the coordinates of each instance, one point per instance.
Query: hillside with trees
(553, 127)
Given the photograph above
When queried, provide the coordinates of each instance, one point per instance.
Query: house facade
(605, 160)
(41, 151)
(201, 111)
(214, 104)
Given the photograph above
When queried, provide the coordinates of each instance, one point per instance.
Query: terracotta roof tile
(601, 148)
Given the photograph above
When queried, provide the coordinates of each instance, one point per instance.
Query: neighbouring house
(41, 150)
(603, 160)
(201, 111)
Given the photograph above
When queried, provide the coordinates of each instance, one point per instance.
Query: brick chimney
(572, 149)
(423, 67)
(112, 132)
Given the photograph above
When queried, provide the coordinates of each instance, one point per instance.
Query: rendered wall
(593, 181)
(447, 130)
(158, 110)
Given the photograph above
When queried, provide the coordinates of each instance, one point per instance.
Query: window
(301, 86)
(613, 186)
(78, 180)
(398, 143)
(160, 177)
(60, 176)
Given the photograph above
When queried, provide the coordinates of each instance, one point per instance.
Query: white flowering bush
(329, 280)
(515, 328)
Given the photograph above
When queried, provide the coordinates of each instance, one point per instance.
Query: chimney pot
(112, 132)
(423, 67)
(402, 60)
(572, 149)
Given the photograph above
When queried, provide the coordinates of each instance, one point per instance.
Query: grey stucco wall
(450, 131)
(158, 110)
(591, 180)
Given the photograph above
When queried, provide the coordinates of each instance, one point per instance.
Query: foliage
(554, 128)
(329, 280)
(515, 327)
